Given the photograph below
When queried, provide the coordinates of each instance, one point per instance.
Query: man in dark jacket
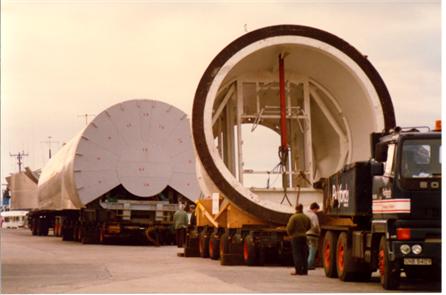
(297, 227)
(180, 222)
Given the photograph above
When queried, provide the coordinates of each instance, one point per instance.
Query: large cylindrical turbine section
(143, 145)
(335, 99)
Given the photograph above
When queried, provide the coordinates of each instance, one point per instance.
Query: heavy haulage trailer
(122, 176)
(327, 100)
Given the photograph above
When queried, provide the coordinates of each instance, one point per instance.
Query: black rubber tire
(191, 245)
(74, 233)
(329, 254)
(224, 247)
(44, 231)
(249, 251)
(214, 247)
(79, 234)
(43, 227)
(67, 234)
(89, 237)
(102, 238)
(203, 244)
(344, 260)
(389, 271)
(34, 227)
(85, 239)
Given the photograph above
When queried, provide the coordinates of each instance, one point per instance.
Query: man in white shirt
(313, 234)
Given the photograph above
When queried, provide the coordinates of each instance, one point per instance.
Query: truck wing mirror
(381, 152)
(376, 168)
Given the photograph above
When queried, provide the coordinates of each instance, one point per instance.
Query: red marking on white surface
(391, 206)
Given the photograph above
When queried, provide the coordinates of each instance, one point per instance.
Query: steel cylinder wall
(143, 145)
(320, 57)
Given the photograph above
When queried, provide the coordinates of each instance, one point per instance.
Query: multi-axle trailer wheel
(338, 260)
(389, 271)
(329, 254)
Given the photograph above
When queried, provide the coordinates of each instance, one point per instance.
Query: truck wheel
(88, 236)
(85, 239)
(42, 227)
(34, 227)
(79, 234)
(389, 271)
(214, 245)
(44, 231)
(75, 233)
(67, 234)
(203, 245)
(344, 258)
(39, 227)
(224, 248)
(102, 237)
(329, 254)
(249, 251)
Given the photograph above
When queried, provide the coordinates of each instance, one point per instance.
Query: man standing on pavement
(180, 222)
(193, 218)
(297, 227)
(313, 234)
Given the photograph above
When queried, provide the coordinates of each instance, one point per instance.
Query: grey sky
(60, 60)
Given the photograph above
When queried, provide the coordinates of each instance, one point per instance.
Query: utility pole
(86, 117)
(19, 157)
(49, 142)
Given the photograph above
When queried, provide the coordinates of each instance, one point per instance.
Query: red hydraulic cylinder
(283, 131)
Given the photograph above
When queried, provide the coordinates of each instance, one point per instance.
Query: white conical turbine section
(145, 145)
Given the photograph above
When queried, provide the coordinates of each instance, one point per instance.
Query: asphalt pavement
(31, 264)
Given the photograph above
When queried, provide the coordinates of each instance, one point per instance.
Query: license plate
(417, 261)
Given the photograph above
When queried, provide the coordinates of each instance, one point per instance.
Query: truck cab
(385, 214)
(406, 205)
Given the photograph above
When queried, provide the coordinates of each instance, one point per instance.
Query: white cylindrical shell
(346, 90)
(23, 190)
(143, 145)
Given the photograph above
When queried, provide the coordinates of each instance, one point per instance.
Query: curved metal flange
(201, 95)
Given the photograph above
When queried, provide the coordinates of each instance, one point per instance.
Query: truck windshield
(421, 158)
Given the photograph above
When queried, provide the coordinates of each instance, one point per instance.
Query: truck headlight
(417, 249)
(405, 249)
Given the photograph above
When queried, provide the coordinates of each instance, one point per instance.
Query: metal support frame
(230, 115)
(308, 140)
(343, 137)
(240, 101)
(223, 103)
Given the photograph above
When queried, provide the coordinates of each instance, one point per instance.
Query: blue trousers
(300, 255)
(313, 244)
